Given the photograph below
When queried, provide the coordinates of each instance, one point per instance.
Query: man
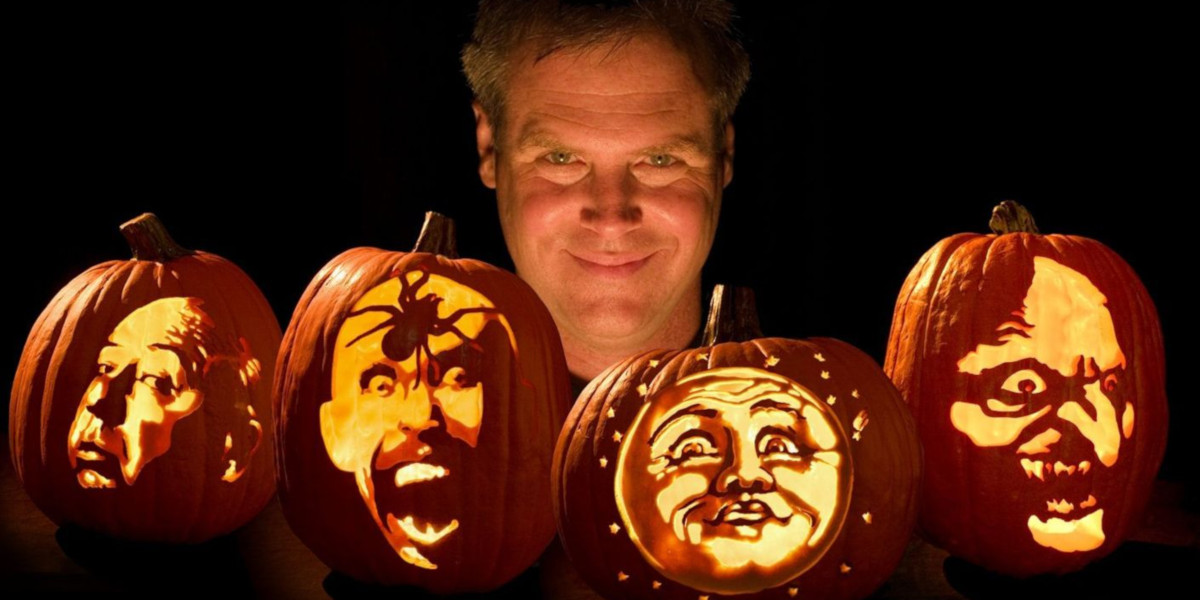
(604, 129)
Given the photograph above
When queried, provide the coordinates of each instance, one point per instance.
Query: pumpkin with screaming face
(1033, 364)
(764, 467)
(419, 397)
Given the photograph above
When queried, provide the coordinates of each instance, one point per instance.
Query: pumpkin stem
(437, 236)
(148, 239)
(1010, 217)
(732, 316)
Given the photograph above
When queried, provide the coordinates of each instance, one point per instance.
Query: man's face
(608, 179)
(1053, 376)
(140, 391)
(733, 480)
(399, 355)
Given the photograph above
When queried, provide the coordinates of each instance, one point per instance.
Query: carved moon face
(404, 350)
(733, 480)
(1053, 370)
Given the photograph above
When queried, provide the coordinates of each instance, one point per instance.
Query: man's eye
(1025, 381)
(560, 157)
(660, 160)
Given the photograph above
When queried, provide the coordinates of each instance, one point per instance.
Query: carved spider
(415, 322)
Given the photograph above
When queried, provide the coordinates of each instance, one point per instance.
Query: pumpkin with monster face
(763, 467)
(140, 402)
(1033, 364)
(419, 398)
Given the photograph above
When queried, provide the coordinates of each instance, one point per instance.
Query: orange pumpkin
(419, 397)
(142, 396)
(1034, 367)
(768, 467)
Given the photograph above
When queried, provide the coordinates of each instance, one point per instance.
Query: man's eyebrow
(695, 409)
(533, 137)
(683, 143)
(538, 138)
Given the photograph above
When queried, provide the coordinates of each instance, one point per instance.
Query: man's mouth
(611, 265)
(90, 476)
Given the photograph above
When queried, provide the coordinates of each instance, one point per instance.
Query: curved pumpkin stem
(732, 316)
(1010, 217)
(148, 239)
(437, 236)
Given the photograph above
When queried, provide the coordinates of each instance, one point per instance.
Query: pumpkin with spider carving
(419, 398)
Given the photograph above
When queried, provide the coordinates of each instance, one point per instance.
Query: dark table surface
(265, 560)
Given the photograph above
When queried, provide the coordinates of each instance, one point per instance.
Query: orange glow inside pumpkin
(1060, 342)
(150, 375)
(733, 480)
(387, 380)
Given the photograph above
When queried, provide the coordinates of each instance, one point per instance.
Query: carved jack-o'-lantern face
(150, 376)
(1055, 373)
(733, 480)
(406, 348)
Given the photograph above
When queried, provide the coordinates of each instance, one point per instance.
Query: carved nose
(111, 407)
(744, 476)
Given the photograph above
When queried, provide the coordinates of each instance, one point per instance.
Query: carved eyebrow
(769, 404)
(376, 369)
(694, 409)
(1017, 326)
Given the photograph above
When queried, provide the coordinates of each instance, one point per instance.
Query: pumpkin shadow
(142, 569)
(343, 587)
(1135, 570)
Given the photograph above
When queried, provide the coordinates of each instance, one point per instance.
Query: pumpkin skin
(993, 329)
(489, 474)
(81, 388)
(862, 530)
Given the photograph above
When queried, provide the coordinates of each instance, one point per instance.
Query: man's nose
(110, 408)
(745, 473)
(612, 208)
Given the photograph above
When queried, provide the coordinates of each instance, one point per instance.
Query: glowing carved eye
(1025, 381)
(690, 447)
(161, 383)
(776, 444)
(106, 368)
(1110, 382)
(381, 385)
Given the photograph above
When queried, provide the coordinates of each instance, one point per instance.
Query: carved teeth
(1090, 502)
(1060, 506)
(1084, 467)
(418, 472)
(1059, 468)
(1033, 468)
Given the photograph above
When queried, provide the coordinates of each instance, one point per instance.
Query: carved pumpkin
(1034, 366)
(142, 395)
(419, 399)
(769, 467)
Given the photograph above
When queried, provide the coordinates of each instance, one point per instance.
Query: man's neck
(587, 358)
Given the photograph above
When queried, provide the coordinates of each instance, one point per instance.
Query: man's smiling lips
(611, 265)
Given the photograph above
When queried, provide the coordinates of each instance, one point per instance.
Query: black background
(278, 137)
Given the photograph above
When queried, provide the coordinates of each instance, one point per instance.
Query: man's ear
(727, 153)
(485, 142)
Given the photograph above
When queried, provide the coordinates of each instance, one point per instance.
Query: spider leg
(395, 316)
(458, 314)
(408, 291)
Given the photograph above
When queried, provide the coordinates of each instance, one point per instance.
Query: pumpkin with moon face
(420, 397)
(1033, 364)
(768, 467)
(142, 397)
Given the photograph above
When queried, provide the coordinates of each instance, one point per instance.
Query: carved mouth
(420, 532)
(419, 472)
(750, 513)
